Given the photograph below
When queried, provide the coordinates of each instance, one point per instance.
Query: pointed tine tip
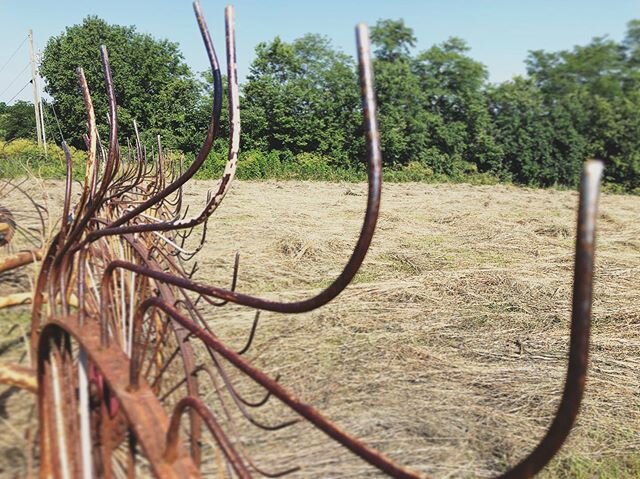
(594, 166)
(592, 172)
(362, 30)
(362, 40)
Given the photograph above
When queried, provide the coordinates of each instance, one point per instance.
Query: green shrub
(413, 171)
(23, 157)
(311, 166)
(254, 165)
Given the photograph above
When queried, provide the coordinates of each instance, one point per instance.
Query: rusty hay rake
(120, 342)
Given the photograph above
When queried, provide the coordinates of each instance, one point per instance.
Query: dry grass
(449, 350)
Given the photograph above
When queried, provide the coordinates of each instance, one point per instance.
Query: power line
(13, 54)
(14, 80)
(25, 86)
(57, 122)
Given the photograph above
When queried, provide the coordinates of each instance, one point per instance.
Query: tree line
(300, 107)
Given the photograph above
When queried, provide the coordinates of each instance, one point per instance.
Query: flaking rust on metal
(116, 316)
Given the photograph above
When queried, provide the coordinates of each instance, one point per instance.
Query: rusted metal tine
(240, 404)
(203, 238)
(234, 432)
(234, 283)
(580, 329)
(214, 199)
(81, 285)
(139, 316)
(91, 175)
(366, 233)
(226, 446)
(356, 446)
(264, 400)
(208, 142)
(111, 164)
(254, 327)
(160, 168)
(114, 154)
(67, 190)
(254, 404)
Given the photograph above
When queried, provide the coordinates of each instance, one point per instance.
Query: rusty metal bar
(580, 329)
(173, 434)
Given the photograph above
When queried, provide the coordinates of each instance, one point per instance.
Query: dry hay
(449, 350)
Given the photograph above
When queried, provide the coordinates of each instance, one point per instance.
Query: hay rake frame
(117, 330)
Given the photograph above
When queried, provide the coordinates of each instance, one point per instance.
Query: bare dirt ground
(448, 352)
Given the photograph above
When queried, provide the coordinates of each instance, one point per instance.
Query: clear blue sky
(500, 32)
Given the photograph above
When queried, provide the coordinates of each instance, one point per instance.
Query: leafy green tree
(302, 97)
(594, 89)
(404, 123)
(153, 85)
(393, 40)
(540, 148)
(453, 85)
(17, 121)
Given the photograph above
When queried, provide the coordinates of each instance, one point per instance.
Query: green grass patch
(582, 467)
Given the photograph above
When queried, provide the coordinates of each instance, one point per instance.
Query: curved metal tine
(67, 189)
(234, 283)
(160, 167)
(194, 269)
(197, 316)
(113, 154)
(240, 404)
(580, 329)
(203, 238)
(230, 168)
(265, 398)
(211, 131)
(91, 174)
(234, 431)
(129, 158)
(251, 404)
(158, 303)
(140, 159)
(173, 201)
(176, 250)
(366, 233)
(39, 208)
(171, 452)
(124, 184)
(112, 159)
(254, 326)
(81, 283)
(373, 457)
(167, 256)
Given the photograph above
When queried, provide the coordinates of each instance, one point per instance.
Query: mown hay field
(448, 352)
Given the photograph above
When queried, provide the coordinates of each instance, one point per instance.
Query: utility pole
(36, 95)
(44, 133)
